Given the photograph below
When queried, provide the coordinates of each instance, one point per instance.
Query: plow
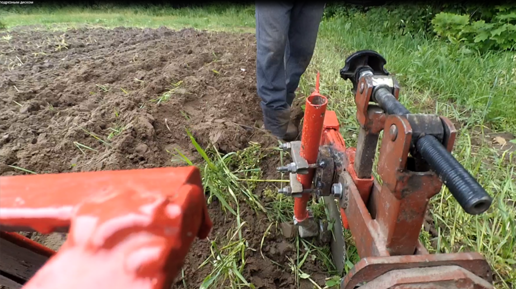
(134, 228)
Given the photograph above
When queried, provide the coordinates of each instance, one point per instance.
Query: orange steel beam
(127, 229)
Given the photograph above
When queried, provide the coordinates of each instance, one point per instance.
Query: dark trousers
(286, 34)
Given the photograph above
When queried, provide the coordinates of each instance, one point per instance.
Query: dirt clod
(289, 230)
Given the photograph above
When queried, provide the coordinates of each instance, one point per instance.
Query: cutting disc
(337, 243)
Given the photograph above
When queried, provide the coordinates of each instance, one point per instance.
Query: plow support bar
(310, 140)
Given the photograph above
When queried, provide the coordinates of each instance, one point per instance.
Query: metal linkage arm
(463, 186)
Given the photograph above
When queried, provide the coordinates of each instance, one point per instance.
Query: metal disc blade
(337, 244)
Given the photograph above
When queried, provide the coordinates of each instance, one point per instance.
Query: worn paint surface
(370, 268)
(441, 277)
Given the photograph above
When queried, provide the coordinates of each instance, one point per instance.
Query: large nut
(337, 190)
(287, 190)
(285, 146)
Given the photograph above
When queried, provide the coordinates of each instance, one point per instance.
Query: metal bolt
(365, 72)
(292, 168)
(282, 169)
(285, 190)
(337, 189)
(394, 132)
(285, 146)
(362, 86)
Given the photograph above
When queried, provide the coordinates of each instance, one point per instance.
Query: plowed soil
(100, 99)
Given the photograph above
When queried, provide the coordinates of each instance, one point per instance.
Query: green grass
(217, 17)
(227, 258)
(483, 86)
(475, 90)
(23, 170)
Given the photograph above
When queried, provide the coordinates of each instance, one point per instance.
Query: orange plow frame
(127, 229)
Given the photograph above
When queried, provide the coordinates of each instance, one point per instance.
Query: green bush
(491, 31)
(405, 19)
(481, 26)
(390, 19)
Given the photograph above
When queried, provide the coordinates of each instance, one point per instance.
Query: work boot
(279, 124)
(292, 132)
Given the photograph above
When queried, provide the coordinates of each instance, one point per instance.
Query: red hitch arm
(127, 229)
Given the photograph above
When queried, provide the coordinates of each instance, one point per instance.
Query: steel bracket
(299, 164)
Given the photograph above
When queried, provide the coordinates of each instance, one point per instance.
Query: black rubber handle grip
(463, 186)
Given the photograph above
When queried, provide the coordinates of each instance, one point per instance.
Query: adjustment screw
(394, 132)
(292, 168)
(284, 169)
(336, 190)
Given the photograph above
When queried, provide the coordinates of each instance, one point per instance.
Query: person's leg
(272, 24)
(304, 26)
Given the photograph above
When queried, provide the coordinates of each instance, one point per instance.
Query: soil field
(99, 99)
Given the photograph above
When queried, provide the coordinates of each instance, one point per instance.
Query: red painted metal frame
(127, 229)
(310, 139)
(379, 215)
(331, 136)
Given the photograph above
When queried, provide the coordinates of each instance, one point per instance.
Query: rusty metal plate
(368, 269)
(337, 243)
(441, 277)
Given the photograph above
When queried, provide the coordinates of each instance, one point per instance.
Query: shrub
(492, 31)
